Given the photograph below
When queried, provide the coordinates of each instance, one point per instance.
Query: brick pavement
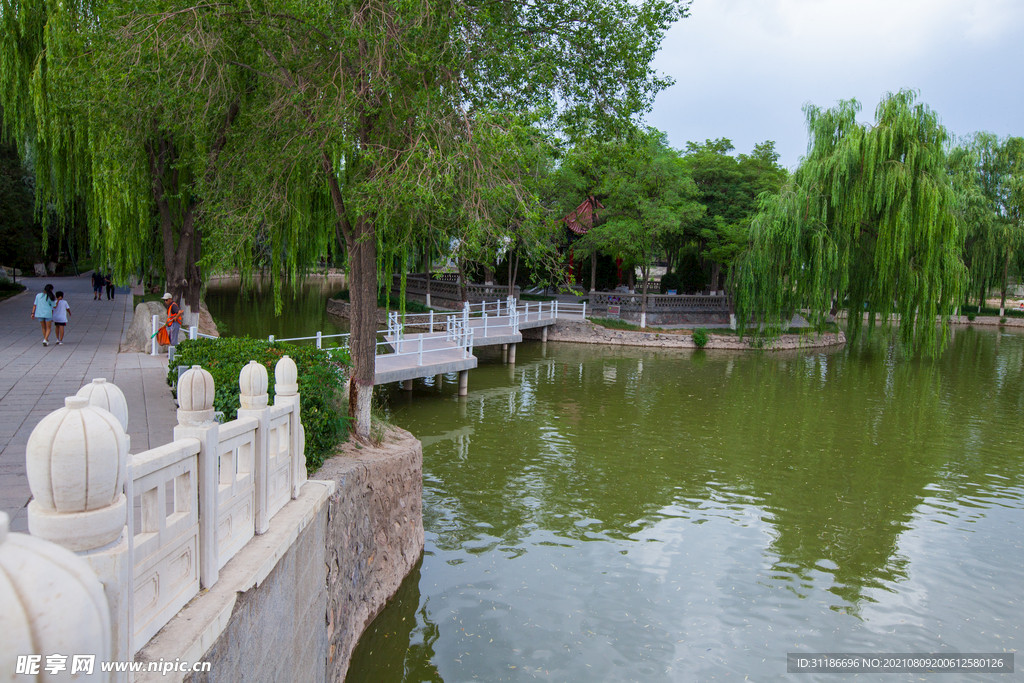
(34, 380)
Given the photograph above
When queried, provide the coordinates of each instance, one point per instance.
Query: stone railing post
(286, 391)
(76, 461)
(196, 420)
(252, 384)
(54, 605)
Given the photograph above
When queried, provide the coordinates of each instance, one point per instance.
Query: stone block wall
(374, 536)
(277, 629)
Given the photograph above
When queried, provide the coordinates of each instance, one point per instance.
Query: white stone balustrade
(195, 502)
(52, 604)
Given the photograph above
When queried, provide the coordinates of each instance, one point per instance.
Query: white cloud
(744, 68)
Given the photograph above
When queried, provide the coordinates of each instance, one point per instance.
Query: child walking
(42, 310)
(61, 311)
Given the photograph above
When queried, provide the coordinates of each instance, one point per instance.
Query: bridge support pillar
(407, 385)
(544, 333)
(438, 380)
(504, 353)
(512, 354)
(463, 382)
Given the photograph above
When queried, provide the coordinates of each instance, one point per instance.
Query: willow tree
(361, 113)
(869, 220)
(117, 122)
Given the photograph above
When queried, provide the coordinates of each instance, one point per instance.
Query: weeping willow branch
(869, 221)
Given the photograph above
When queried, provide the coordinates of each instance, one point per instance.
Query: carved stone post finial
(75, 460)
(252, 381)
(103, 394)
(195, 397)
(286, 377)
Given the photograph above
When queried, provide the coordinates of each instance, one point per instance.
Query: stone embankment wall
(302, 622)
(374, 536)
(586, 332)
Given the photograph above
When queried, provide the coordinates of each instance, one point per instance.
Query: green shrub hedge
(321, 377)
(700, 337)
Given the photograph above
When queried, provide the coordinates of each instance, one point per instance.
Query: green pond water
(614, 514)
(251, 313)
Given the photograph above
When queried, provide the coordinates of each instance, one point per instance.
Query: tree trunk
(716, 271)
(362, 249)
(427, 269)
(643, 305)
(593, 271)
(463, 296)
(361, 245)
(515, 276)
(631, 280)
(1006, 270)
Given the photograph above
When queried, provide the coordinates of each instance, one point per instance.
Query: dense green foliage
(700, 337)
(869, 217)
(728, 187)
(320, 381)
(988, 174)
(20, 235)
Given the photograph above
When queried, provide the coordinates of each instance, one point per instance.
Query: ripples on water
(609, 514)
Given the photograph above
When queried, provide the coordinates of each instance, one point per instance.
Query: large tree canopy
(869, 219)
(233, 125)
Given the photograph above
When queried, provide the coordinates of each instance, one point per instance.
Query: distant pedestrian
(174, 316)
(97, 285)
(110, 287)
(61, 311)
(42, 310)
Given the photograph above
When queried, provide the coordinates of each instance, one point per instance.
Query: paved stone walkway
(34, 380)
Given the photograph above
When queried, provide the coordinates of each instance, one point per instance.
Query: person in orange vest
(174, 317)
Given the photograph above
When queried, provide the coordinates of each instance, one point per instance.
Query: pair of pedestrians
(51, 309)
(101, 281)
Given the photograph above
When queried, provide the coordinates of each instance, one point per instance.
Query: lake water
(252, 314)
(614, 514)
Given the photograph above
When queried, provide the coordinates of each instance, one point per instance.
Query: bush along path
(321, 378)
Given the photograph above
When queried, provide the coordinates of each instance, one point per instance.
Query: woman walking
(42, 310)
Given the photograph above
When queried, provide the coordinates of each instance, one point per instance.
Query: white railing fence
(420, 333)
(187, 507)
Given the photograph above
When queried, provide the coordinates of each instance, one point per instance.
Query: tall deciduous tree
(728, 187)
(363, 111)
(869, 219)
(648, 196)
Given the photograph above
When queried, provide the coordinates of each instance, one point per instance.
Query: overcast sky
(744, 68)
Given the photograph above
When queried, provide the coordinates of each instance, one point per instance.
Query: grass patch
(536, 297)
(9, 289)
